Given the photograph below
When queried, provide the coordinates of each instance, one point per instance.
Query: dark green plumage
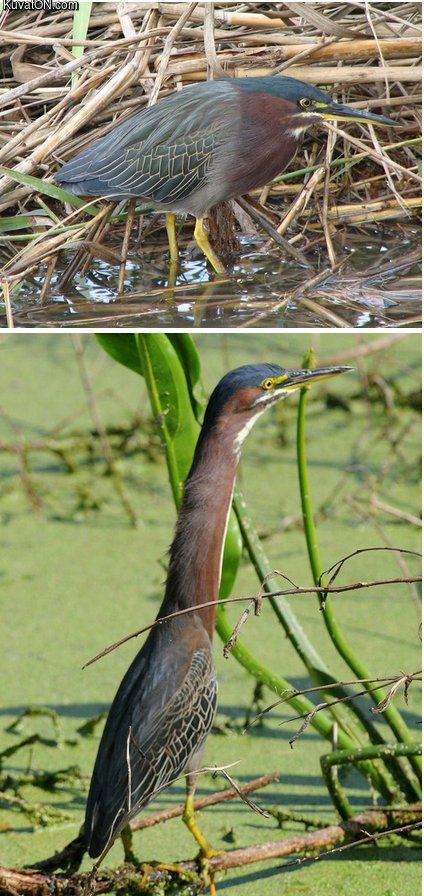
(203, 145)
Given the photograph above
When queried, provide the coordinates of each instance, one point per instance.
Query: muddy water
(377, 285)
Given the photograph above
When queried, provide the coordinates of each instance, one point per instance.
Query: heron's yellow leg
(172, 237)
(172, 277)
(127, 843)
(189, 818)
(202, 241)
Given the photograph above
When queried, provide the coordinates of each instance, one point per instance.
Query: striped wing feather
(162, 154)
(161, 715)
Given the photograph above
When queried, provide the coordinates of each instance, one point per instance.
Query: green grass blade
(48, 189)
(390, 713)
(81, 19)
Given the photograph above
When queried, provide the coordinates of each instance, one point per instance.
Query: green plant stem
(353, 720)
(390, 713)
(321, 721)
(330, 761)
(336, 163)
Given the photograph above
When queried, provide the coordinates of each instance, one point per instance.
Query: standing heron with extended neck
(165, 705)
(203, 145)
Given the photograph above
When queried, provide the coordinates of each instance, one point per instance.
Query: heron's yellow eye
(306, 103)
(267, 384)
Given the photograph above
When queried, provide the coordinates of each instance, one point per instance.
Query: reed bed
(66, 82)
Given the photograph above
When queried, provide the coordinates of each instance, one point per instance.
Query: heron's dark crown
(286, 88)
(246, 377)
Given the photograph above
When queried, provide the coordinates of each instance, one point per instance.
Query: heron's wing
(160, 717)
(162, 154)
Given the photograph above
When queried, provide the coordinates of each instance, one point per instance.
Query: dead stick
(203, 801)
(365, 822)
(125, 245)
(272, 232)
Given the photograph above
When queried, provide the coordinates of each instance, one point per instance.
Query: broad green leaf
(122, 347)
(189, 357)
(169, 396)
(154, 356)
(80, 23)
(171, 368)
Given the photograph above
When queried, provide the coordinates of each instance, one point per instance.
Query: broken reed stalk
(374, 823)
(391, 714)
(125, 244)
(8, 305)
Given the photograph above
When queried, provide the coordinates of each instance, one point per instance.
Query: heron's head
(305, 104)
(244, 394)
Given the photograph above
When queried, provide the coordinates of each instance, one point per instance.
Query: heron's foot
(207, 851)
(207, 876)
(170, 866)
(189, 819)
(202, 241)
(181, 874)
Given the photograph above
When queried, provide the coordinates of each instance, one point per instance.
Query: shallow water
(377, 286)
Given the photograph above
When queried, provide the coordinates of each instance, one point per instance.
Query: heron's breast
(264, 144)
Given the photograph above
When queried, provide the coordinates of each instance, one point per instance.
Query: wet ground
(377, 285)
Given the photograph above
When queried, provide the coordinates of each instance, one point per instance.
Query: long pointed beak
(298, 378)
(344, 113)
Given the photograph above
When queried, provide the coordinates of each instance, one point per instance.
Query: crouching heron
(203, 145)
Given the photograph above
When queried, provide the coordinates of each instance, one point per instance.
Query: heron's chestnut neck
(196, 552)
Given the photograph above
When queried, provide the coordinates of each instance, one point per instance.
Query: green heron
(165, 705)
(202, 145)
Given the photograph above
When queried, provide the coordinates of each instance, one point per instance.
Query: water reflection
(378, 285)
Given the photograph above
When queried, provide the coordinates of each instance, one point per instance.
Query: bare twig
(340, 589)
(385, 681)
(203, 801)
